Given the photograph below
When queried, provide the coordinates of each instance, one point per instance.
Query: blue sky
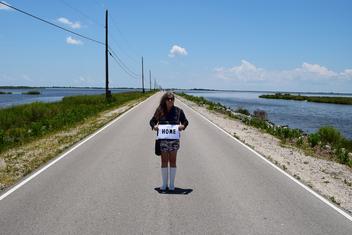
(288, 45)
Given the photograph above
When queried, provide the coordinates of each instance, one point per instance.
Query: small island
(5, 93)
(31, 93)
(317, 99)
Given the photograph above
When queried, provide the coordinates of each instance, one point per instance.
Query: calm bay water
(48, 95)
(307, 116)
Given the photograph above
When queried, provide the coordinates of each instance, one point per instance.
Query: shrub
(313, 139)
(329, 135)
(299, 141)
(243, 111)
(342, 156)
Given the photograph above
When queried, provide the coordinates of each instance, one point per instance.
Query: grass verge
(59, 125)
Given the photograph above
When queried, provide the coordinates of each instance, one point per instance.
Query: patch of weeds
(297, 176)
(284, 167)
(347, 182)
(326, 182)
(334, 200)
(305, 162)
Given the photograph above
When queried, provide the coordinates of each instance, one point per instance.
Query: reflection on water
(307, 116)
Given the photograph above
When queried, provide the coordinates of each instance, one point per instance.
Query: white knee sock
(172, 178)
(164, 177)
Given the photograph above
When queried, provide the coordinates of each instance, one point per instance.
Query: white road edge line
(345, 214)
(26, 180)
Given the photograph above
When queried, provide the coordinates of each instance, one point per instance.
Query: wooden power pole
(107, 92)
(142, 76)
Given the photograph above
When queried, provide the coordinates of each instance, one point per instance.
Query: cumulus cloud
(244, 72)
(74, 25)
(3, 7)
(247, 71)
(177, 50)
(347, 73)
(318, 69)
(72, 41)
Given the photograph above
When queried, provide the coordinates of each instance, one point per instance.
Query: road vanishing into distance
(108, 185)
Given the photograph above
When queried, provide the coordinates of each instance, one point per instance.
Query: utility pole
(142, 76)
(150, 80)
(107, 92)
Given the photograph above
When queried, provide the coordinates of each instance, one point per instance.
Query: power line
(119, 64)
(82, 13)
(113, 21)
(52, 24)
(132, 59)
(112, 37)
(123, 64)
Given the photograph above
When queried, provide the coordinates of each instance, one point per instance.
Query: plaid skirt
(169, 145)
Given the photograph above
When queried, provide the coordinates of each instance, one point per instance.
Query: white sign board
(169, 132)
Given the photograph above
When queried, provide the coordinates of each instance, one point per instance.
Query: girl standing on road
(167, 113)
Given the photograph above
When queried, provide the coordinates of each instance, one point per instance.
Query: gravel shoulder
(330, 179)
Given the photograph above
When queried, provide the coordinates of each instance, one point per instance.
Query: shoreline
(330, 179)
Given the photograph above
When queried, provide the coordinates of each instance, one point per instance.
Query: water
(307, 116)
(48, 94)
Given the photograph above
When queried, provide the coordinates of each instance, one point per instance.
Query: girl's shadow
(176, 191)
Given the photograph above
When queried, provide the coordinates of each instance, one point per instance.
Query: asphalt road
(107, 186)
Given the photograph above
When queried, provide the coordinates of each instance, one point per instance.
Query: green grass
(313, 142)
(31, 93)
(318, 99)
(23, 123)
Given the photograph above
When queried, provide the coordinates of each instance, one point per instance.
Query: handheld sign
(169, 132)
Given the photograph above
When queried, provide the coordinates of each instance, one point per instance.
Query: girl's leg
(164, 173)
(172, 159)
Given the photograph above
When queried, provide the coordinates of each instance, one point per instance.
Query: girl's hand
(181, 127)
(156, 128)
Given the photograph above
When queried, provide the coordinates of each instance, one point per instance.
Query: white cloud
(347, 73)
(72, 41)
(3, 7)
(247, 72)
(244, 72)
(318, 69)
(177, 50)
(74, 25)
